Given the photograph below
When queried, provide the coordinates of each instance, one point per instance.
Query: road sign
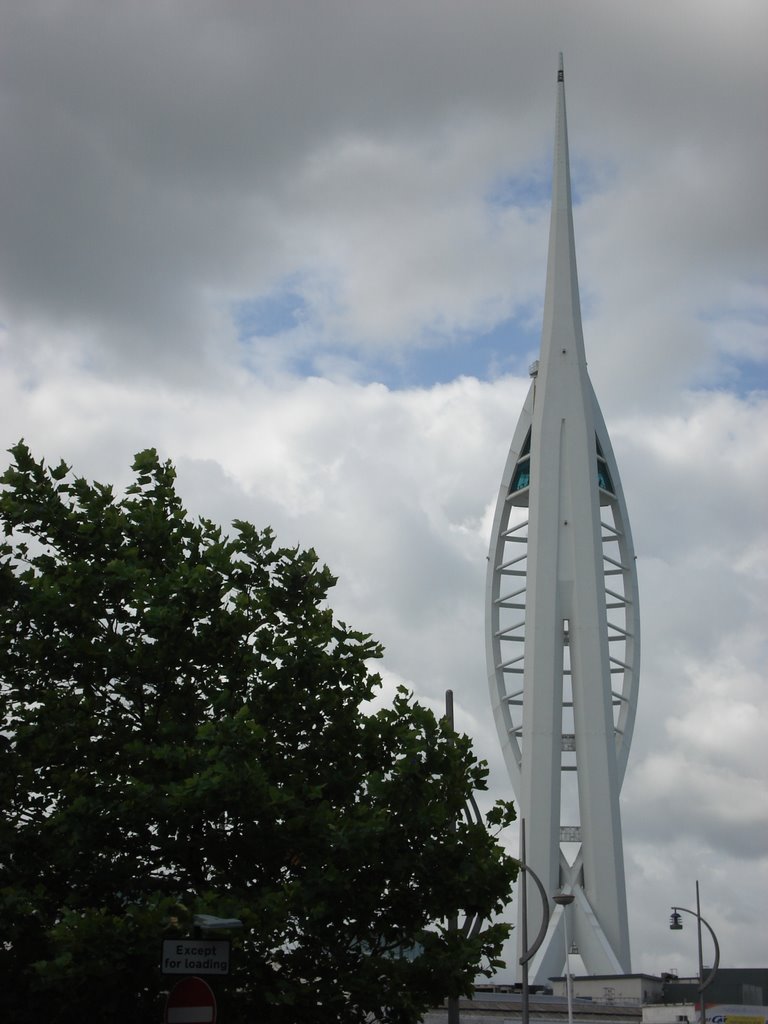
(191, 1001)
(195, 956)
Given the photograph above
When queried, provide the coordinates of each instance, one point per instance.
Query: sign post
(191, 1001)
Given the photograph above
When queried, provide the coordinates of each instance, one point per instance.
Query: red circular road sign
(191, 1001)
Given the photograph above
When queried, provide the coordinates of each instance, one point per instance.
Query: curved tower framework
(562, 631)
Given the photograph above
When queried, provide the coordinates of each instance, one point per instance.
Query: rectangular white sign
(195, 956)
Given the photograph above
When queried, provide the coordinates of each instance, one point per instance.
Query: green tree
(183, 730)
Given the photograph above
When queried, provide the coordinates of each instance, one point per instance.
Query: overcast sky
(299, 246)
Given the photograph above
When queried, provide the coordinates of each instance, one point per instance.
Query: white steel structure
(562, 624)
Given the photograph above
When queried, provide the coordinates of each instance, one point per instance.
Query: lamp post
(676, 925)
(529, 952)
(473, 922)
(564, 900)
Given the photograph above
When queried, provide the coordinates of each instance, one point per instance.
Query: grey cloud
(158, 162)
(393, 489)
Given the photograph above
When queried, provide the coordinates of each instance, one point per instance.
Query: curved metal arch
(625, 572)
(505, 587)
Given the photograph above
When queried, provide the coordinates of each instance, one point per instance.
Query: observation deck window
(521, 478)
(604, 481)
(522, 475)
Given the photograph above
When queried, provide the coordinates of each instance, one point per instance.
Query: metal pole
(702, 1011)
(529, 953)
(524, 912)
(568, 989)
(564, 900)
(453, 922)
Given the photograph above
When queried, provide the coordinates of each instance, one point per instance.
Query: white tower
(562, 631)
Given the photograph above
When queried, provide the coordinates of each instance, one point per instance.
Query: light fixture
(676, 924)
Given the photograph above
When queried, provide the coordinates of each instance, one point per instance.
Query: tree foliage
(183, 730)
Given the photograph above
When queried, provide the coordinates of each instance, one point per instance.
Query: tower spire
(562, 309)
(562, 631)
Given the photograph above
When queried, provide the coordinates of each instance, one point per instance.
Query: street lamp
(529, 952)
(473, 922)
(564, 900)
(676, 924)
